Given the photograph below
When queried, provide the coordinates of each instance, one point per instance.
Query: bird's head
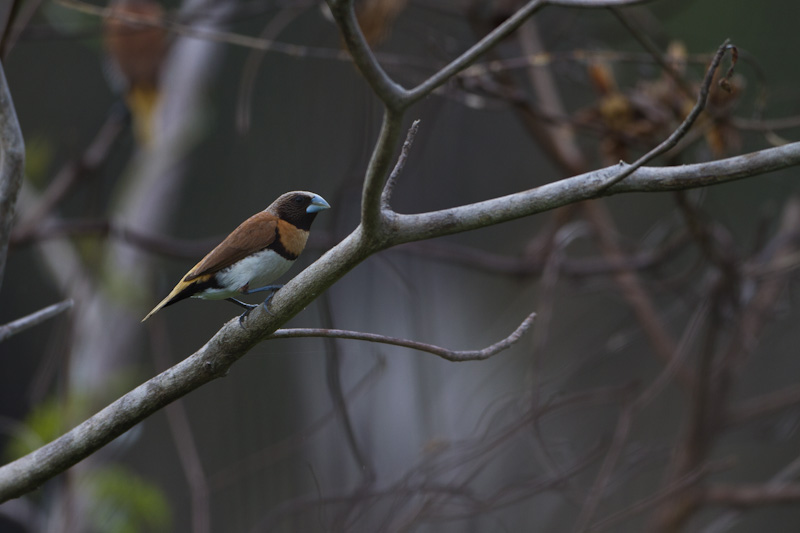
(299, 208)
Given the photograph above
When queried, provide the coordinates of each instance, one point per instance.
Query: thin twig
(492, 38)
(187, 451)
(467, 58)
(450, 355)
(156, 244)
(557, 138)
(388, 189)
(607, 468)
(206, 33)
(185, 442)
(760, 406)
(390, 93)
(33, 319)
(780, 479)
(677, 360)
(251, 66)
(333, 372)
(635, 294)
(679, 485)
(62, 183)
(276, 451)
(751, 495)
(683, 129)
(396, 97)
(644, 40)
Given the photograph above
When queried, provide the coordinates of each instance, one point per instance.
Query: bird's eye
(298, 200)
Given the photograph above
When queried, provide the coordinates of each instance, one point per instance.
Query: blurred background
(657, 391)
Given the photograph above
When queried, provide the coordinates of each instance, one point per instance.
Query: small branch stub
(388, 189)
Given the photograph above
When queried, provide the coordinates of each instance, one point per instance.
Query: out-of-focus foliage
(38, 160)
(43, 424)
(125, 503)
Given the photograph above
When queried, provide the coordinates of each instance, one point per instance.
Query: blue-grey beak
(318, 203)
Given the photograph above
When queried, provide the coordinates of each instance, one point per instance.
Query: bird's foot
(244, 315)
(272, 288)
(265, 304)
(247, 309)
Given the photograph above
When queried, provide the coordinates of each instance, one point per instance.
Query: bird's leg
(250, 307)
(247, 309)
(241, 303)
(272, 288)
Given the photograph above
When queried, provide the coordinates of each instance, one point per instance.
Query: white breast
(254, 271)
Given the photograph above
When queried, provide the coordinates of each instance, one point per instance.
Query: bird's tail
(182, 290)
(143, 101)
(163, 303)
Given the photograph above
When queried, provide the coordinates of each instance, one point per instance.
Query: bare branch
(12, 166)
(206, 33)
(372, 219)
(185, 442)
(495, 36)
(396, 97)
(686, 481)
(409, 228)
(276, 451)
(390, 93)
(210, 362)
(766, 404)
(479, 259)
(333, 374)
(34, 319)
(95, 154)
(232, 341)
(750, 495)
(635, 294)
(683, 129)
(646, 42)
(110, 229)
(467, 58)
(378, 231)
(388, 189)
(528, 264)
(593, 3)
(782, 478)
(607, 469)
(444, 353)
(677, 359)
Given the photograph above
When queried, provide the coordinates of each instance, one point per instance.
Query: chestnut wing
(252, 235)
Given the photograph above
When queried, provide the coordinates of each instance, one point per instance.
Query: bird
(254, 255)
(136, 56)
